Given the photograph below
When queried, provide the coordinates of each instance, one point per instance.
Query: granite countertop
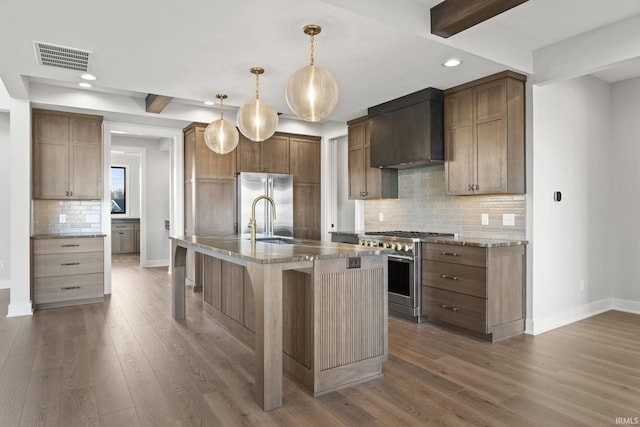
(119, 220)
(240, 247)
(67, 235)
(474, 241)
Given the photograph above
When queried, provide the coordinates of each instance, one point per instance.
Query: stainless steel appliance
(405, 268)
(277, 186)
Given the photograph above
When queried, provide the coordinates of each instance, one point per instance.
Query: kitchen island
(323, 304)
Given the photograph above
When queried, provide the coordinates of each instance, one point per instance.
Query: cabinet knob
(470, 187)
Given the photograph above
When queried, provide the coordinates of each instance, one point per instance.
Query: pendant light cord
(312, 50)
(257, 86)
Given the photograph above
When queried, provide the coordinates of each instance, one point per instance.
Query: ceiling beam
(156, 103)
(453, 16)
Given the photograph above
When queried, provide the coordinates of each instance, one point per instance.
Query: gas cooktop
(408, 234)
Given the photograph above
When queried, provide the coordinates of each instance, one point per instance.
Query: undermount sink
(280, 240)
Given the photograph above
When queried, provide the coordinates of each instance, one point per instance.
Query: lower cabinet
(67, 271)
(479, 289)
(125, 238)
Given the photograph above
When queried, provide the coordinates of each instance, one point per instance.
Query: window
(118, 190)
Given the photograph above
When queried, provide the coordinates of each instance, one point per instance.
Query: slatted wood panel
(346, 334)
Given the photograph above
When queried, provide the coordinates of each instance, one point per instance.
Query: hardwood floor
(127, 363)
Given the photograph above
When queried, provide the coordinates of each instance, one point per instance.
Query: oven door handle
(401, 258)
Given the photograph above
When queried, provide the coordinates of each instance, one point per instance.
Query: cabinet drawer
(68, 288)
(70, 245)
(67, 264)
(468, 255)
(126, 226)
(459, 278)
(454, 308)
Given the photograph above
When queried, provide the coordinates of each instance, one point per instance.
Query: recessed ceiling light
(84, 84)
(452, 63)
(88, 77)
(209, 103)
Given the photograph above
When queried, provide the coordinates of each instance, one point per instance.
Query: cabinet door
(305, 160)
(209, 165)
(306, 211)
(50, 156)
(459, 144)
(127, 241)
(214, 207)
(249, 156)
(490, 135)
(86, 158)
(275, 154)
(373, 177)
(356, 138)
(232, 291)
(189, 154)
(116, 243)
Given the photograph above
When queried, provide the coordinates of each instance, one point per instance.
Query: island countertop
(240, 247)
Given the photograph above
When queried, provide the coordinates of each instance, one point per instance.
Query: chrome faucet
(252, 220)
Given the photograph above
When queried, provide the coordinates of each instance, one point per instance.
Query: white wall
(157, 192)
(625, 191)
(571, 240)
(5, 195)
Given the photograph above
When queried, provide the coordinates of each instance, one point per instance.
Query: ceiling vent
(61, 56)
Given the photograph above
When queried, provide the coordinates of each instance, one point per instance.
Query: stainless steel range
(405, 275)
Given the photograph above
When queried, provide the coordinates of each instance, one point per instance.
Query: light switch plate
(508, 219)
(380, 216)
(485, 219)
(62, 219)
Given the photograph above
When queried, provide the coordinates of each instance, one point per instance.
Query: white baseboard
(155, 263)
(626, 306)
(15, 310)
(547, 323)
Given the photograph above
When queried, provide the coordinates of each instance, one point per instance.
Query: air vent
(61, 56)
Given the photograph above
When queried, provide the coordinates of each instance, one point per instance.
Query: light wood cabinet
(125, 237)
(67, 155)
(67, 271)
(271, 155)
(485, 136)
(366, 182)
(475, 288)
(209, 194)
(305, 168)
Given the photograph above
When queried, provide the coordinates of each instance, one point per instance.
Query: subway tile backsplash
(423, 206)
(81, 216)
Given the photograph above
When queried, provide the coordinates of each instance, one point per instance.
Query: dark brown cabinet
(485, 136)
(366, 182)
(67, 156)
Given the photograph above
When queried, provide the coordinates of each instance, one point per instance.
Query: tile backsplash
(423, 206)
(81, 216)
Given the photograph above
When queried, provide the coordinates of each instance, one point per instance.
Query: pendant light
(221, 136)
(257, 120)
(312, 92)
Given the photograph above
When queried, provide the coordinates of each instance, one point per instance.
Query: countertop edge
(478, 242)
(66, 236)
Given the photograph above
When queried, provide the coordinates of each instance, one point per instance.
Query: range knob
(406, 248)
(392, 245)
(371, 243)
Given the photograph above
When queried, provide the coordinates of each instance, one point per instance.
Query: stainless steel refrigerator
(275, 185)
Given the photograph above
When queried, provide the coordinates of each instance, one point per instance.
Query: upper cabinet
(485, 136)
(202, 163)
(271, 155)
(366, 182)
(67, 156)
(304, 158)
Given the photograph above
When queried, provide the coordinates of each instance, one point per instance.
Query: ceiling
(377, 49)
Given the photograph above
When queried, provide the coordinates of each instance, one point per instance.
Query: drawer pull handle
(68, 288)
(446, 276)
(70, 263)
(69, 246)
(446, 307)
(450, 253)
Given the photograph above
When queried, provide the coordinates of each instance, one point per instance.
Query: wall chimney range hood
(408, 131)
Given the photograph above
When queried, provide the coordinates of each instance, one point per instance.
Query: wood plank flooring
(125, 362)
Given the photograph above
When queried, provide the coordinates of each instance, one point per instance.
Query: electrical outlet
(62, 219)
(380, 216)
(485, 219)
(353, 262)
(508, 219)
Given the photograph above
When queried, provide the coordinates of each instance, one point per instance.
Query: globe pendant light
(221, 136)
(312, 92)
(257, 120)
